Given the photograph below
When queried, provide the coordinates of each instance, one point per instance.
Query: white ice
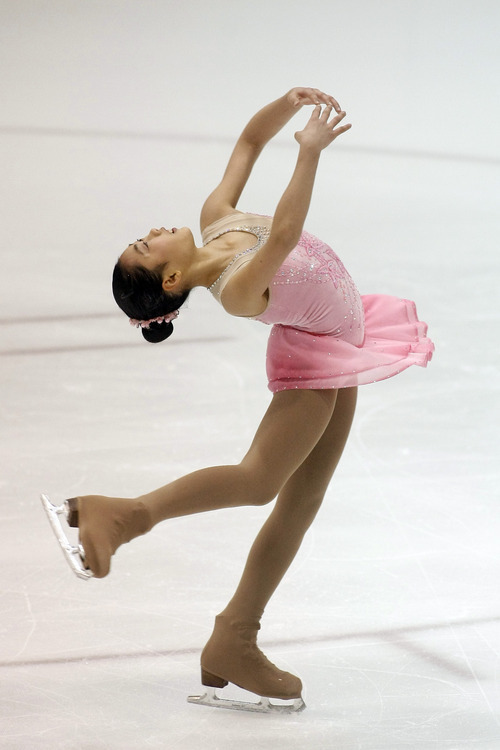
(118, 116)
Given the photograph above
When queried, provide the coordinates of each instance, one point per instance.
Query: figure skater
(325, 340)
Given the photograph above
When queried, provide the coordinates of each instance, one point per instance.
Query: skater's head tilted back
(150, 280)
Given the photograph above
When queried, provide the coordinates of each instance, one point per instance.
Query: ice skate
(73, 553)
(232, 656)
(103, 523)
(263, 706)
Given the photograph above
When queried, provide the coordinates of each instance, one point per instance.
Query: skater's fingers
(300, 96)
(327, 99)
(342, 129)
(335, 104)
(335, 121)
(316, 113)
(327, 111)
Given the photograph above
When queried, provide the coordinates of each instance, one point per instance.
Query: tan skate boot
(104, 524)
(232, 655)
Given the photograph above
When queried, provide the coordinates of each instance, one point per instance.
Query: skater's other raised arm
(262, 127)
(246, 293)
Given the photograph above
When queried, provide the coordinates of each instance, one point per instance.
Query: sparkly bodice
(311, 291)
(261, 232)
(319, 337)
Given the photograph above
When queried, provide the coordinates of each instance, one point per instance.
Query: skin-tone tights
(297, 468)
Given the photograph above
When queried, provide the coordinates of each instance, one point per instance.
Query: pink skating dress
(324, 334)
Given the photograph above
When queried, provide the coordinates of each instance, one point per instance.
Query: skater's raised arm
(247, 291)
(259, 131)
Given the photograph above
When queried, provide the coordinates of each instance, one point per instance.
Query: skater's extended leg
(231, 652)
(291, 427)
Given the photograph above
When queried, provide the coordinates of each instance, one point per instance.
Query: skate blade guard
(264, 705)
(74, 554)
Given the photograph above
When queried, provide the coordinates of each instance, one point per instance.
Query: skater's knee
(301, 501)
(263, 498)
(258, 489)
(262, 494)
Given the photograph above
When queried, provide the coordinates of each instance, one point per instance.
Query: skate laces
(249, 631)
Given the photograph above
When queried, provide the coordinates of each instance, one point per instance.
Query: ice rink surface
(391, 612)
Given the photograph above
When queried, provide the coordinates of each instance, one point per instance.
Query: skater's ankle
(241, 614)
(143, 513)
(134, 511)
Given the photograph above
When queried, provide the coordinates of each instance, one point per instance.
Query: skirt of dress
(394, 340)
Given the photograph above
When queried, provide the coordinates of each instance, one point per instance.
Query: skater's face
(159, 248)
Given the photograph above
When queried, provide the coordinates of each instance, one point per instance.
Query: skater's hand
(299, 96)
(320, 131)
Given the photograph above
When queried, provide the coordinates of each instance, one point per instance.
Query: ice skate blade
(74, 554)
(264, 706)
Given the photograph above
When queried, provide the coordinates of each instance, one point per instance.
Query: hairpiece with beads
(161, 319)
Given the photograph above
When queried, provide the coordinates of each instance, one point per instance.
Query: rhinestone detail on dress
(260, 232)
(324, 264)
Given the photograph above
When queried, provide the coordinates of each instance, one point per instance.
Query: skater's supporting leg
(232, 652)
(298, 502)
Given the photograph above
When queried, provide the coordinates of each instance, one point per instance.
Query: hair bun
(157, 332)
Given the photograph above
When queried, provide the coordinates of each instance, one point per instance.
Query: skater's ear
(171, 281)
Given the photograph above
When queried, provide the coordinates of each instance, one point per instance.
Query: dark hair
(139, 293)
